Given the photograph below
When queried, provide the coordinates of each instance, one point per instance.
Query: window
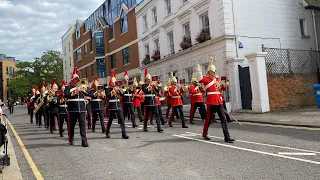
(171, 43)
(168, 5)
(111, 31)
(186, 30)
(113, 61)
(189, 74)
(64, 51)
(85, 50)
(70, 61)
(154, 14)
(65, 66)
(78, 54)
(78, 33)
(205, 21)
(303, 27)
(146, 49)
(101, 68)
(145, 22)
(156, 45)
(8, 82)
(126, 56)
(69, 47)
(124, 22)
(7, 70)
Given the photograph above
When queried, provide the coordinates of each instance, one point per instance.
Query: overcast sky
(30, 27)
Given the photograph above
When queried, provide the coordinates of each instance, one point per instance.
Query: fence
(283, 61)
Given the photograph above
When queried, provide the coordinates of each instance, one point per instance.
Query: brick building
(7, 69)
(107, 40)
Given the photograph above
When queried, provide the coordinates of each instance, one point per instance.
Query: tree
(45, 68)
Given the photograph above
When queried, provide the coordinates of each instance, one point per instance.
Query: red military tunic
(213, 91)
(136, 98)
(195, 94)
(168, 96)
(176, 96)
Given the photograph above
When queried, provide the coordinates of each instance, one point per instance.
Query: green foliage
(46, 68)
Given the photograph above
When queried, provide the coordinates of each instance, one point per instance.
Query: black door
(245, 87)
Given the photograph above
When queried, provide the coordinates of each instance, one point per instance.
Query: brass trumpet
(83, 84)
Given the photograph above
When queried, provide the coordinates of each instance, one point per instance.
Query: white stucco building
(236, 28)
(67, 52)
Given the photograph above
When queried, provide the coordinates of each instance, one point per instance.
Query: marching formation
(76, 102)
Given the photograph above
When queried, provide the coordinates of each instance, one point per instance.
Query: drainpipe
(234, 29)
(315, 29)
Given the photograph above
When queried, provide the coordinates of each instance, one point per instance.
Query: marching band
(70, 103)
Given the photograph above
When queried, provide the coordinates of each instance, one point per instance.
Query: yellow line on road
(33, 166)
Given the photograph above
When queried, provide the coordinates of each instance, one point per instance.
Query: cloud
(30, 27)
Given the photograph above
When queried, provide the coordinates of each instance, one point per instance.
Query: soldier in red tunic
(212, 86)
(136, 98)
(169, 98)
(196, 98)
(176, 91)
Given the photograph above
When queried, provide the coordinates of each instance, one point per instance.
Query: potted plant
(146, 60)
(203, 36)
(156, 55)
(186, 43)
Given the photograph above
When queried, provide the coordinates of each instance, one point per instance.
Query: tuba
(83, 83)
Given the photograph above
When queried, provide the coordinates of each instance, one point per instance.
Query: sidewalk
(11, 172)
(305, 117)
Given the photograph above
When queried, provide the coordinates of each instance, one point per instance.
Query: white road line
(250, 150)
(296, 154)
(262, 144)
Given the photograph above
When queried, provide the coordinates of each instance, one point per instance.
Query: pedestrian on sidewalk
(196, 91)
(212, 86)
(10, 103)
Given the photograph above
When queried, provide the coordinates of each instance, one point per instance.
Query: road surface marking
(31, 163)
(297, 154)
(250, 150)
(262, 144)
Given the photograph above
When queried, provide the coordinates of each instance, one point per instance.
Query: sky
(30, 27)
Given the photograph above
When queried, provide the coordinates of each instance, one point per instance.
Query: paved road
(174, 154)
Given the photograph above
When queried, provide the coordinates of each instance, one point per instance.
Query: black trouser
(153, 110)
(211, 109)
(202, 110)
(28, 109)
(62, 118)
(128, 108)
(98, 114)
(52, 120)
(39, 115)
(73, 118)
(174, 110)
(119, 113)
(160, 114)
(168, 110)
(31, 115)
(46, 118)
(89, 117)
(142, 107)
(11, 109)
(139, 113)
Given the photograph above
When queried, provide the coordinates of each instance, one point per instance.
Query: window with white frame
(303, 28)
(78, 33)
(205, 21)
(126, 56)
(189, 74)
(69, 47)
(124, 22)
(145, 22)
(168, 6)
(64, 51)
(171, 42)
(70, 61)
(156, 45)
(154, 14)
(186, 30)
(78, 52)
(146, 49)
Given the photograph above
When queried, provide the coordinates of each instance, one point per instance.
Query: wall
(67, 51)
(317, 13)
(291, 91)
(265, 22)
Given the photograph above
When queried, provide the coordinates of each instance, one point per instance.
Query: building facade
(67, 52)
(7, 72)
(107, 40)
(177, 35)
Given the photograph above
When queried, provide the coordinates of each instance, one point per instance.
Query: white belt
(149, 95)
(199, 94)
(63, 105)
(127, 94)
(114, 100)
(76, 99)
(96, 100)
(176, 96)
(211, 93)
